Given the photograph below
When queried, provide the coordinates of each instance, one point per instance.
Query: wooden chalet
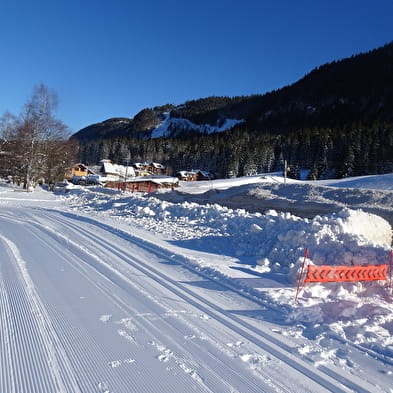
(145, 184)
(152, 168)
(78, 170)
(194, 175)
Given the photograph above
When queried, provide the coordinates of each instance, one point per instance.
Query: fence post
(299, 280)
(390, 262)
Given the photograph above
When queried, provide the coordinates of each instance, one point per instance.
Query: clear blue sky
(113, 58)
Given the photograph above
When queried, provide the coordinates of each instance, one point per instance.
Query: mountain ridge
(337, 89)
(336, 120)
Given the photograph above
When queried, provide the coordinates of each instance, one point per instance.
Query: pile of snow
(304, 199)
(273, 240)
(262, 254)
(372, 228)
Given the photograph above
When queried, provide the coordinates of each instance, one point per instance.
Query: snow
(117, 171)
(164, 128)
(193, 289)
(378, 182)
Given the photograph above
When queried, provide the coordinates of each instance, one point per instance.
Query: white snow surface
(164, 129)
(105, 291)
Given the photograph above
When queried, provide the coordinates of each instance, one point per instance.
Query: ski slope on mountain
(103, 291)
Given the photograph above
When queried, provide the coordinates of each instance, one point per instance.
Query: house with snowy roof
(144, 183)
(194, 175)
(148, 167)
(109, 171)
(78, 170)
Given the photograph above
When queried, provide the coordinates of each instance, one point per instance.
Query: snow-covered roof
(185, 172)
(157, 179)
(147, 163)
(194, 172)
(120, 170)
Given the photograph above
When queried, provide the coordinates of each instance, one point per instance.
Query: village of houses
(137, 177)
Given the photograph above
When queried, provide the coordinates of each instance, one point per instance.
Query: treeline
(351, 150)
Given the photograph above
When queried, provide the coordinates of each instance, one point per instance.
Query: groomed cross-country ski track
(85, 307)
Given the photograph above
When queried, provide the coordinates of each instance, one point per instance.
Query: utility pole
(285, 171)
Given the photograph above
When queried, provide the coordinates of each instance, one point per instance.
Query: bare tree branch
(35, 142)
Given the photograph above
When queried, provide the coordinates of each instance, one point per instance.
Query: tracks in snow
(55, 347)
(160, 364)
(27, 335)
(324, 376)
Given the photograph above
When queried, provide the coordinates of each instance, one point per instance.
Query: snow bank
(274, 241)
(372, 228)
(261, 193)
(262, 253)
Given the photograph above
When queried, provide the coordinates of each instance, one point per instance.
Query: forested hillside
(336, 121)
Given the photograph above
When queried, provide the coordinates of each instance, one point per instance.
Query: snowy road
(88, 308)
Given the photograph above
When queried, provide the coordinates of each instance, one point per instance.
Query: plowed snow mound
(301, 199)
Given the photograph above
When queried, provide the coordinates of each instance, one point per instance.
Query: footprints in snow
(165, 355)
(118, 363)
(105, 318)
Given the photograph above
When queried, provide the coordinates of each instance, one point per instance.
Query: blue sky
(113, 58)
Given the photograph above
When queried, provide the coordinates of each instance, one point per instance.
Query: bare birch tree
(35, 141)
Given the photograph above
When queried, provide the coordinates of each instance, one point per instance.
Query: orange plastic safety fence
(326, 273)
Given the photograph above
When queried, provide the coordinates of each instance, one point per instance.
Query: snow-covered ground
(306, 199)
(103, 291)
(165, 128)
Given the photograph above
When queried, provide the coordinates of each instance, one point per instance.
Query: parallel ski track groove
(254, 296)
(25, 346)
(35, 347)
(146, 322)
(6, 340)
(90, 381)
(246, 330)
(146, 385)
(97, 352)
(257, 387)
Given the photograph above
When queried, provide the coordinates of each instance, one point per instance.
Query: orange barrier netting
(326, 273)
